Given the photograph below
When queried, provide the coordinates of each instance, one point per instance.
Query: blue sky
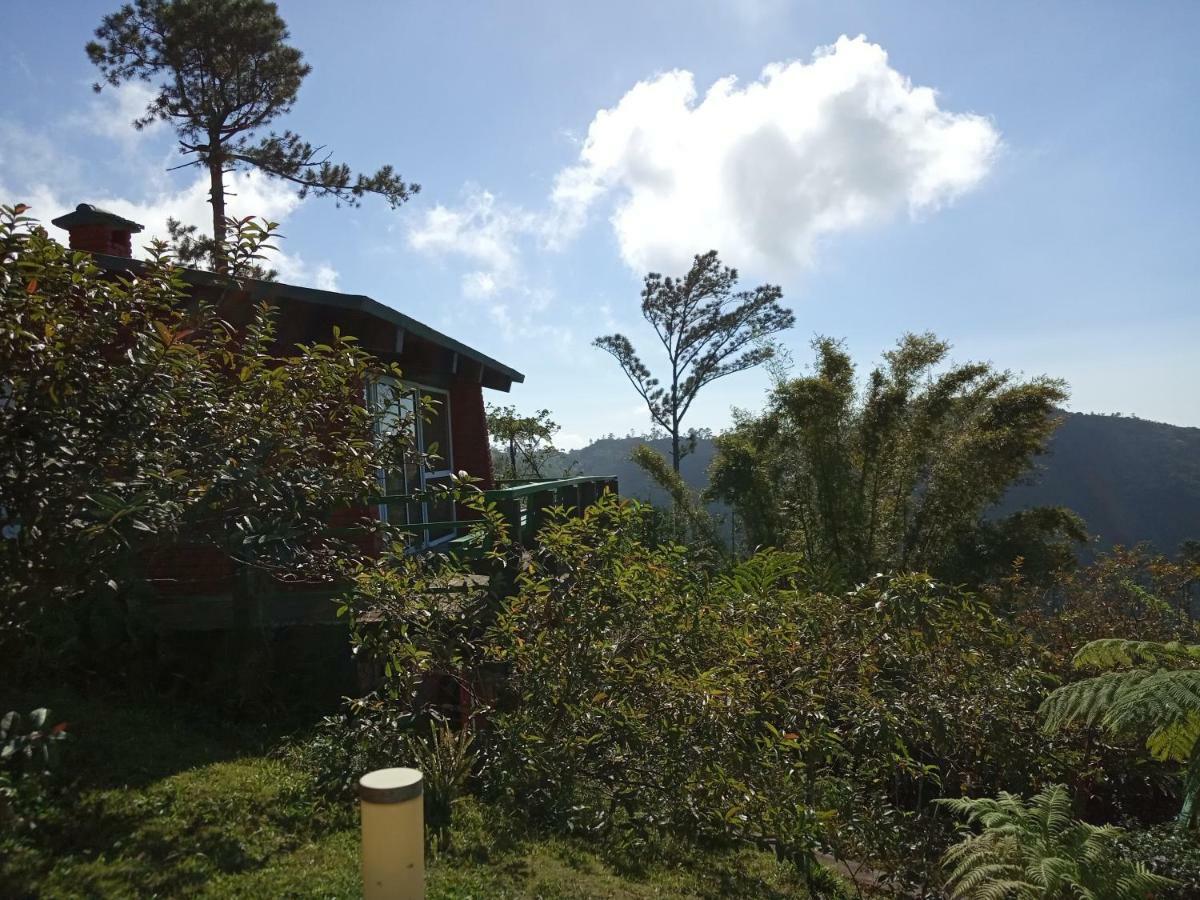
(1020, 178)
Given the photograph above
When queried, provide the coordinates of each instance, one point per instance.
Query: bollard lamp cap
(390, 786)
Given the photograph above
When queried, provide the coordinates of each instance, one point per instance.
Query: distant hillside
(1131, 480)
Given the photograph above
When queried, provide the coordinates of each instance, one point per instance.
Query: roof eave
(495, 374)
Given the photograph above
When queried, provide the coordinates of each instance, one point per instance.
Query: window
(397, 405)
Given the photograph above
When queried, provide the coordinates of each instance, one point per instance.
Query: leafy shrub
(639, 696)
(1168, 852)
(446, 761)
(26, 756)
(628, 692)
(369, 735)
(624, 693)
(930, 695)
(1036, 850)
(136, 415)
(373, 734)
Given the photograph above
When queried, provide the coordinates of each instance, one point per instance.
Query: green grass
(158, 800)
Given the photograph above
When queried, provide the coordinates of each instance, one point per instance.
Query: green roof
(86, 214)
(334, 299)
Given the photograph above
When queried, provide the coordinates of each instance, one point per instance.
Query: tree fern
(1109, 653)
(1037, 851)
(1155, 693)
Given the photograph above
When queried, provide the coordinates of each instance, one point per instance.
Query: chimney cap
(86, 214)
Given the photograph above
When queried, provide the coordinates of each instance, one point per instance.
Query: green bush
(639, 695)
(27, 754)
(1169, 852)
(629, 691)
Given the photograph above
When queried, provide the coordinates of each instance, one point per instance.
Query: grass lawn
(158, 800)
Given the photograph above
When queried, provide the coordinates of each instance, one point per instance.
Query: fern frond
(1111, 653)
(1164, 703)
(1053, 808)
(1002, 890)
(1175, 742)
(1029, 850)
(1087, 701)
(1141, 882)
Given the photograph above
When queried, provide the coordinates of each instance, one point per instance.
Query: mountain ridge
(1132, 480)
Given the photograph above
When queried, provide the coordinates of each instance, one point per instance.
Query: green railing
(523, 503)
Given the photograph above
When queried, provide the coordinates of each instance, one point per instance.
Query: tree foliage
(1125, 593)
(708, 330)
(223, 72)
(890, 475)
(135, 415)
(527, 442)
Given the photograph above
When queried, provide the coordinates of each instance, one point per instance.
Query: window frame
(417, 391)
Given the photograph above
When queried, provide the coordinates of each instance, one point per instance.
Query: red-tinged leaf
(32, 286)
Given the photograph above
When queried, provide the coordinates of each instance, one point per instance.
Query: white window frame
(445, 454)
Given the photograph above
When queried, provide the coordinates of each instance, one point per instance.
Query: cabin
(434, 364)
(193, 585)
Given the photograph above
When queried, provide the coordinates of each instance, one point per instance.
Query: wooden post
(568, 496)
(393, 834)
(536, 514)
(511, 510)
(587, 495)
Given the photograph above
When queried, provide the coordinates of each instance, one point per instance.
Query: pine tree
(224, 73)
(708, 330)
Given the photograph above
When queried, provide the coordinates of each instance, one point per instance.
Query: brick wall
(101, 239)
(188, 569)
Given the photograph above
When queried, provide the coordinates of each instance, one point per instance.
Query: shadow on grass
(152, 797)
(131, 740)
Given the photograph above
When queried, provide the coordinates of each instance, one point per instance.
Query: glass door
(399, 406)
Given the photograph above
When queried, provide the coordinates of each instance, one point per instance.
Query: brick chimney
(98, 231)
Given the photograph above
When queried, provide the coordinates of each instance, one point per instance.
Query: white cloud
(487, 234)
(765, 171)
(483, 231)
(762, 172)
(294, 270)
(112, 112)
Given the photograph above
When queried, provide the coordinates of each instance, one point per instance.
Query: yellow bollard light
(393, 834)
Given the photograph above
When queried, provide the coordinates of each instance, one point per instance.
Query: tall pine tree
(707, 329)
(223, 72)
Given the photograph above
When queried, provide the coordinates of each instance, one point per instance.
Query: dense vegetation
(138, 417)
(622, 682)
(887, 675)
(1130, 480)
